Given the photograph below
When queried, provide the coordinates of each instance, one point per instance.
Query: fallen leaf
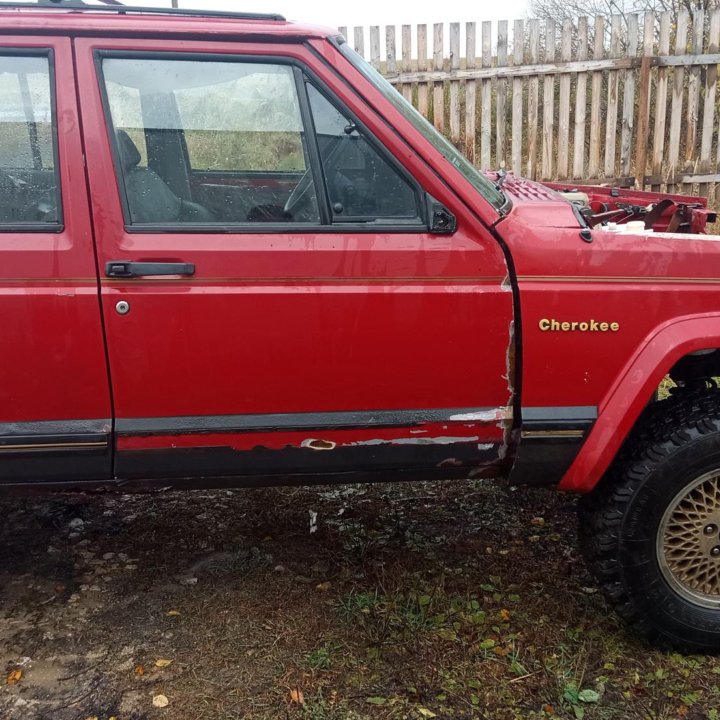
(14, 677)
(589, 696)
(173, 613)
(376, 700)
(537, 521)
(683, 710)
(296, 696)
(160, 701)
(139, 670)
(162, 663)
(323, 587)
(426, 713)
(549, 709)
(504, 615)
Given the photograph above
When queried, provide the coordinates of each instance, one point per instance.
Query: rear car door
(273, 298)
(55, 412)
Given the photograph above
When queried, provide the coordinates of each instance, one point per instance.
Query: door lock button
(123, 307)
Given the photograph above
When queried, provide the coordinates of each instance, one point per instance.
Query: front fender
(633, 389)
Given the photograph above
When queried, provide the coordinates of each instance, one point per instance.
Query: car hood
(537, 204)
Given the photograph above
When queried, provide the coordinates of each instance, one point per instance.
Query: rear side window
(28, 163)
(209, 141)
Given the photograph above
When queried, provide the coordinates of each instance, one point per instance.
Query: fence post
(580, 102)
(501, 96)
(548, 145)
(517, 97)
(470, 94)
(438, 89)
(454, 84)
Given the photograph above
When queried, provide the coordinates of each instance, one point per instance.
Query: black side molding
(550, 439)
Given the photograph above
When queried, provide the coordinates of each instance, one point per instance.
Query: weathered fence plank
(438, 88)
(628, 112)
(423, 88)
(407, 60)
(693, 107)
(548, 143)
(708, 118)
(501, 96)
(612, 99)
(375, 46)
(595, 117)
(533, 107)
(455, 84)
(661, 99)
(580, 102)
(470, 94)
(486, 110)
(517, 97)
(678, 90)
(563, 141)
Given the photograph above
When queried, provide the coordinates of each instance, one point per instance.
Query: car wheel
(651, 529)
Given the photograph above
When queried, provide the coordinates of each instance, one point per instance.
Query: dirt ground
(449, 600)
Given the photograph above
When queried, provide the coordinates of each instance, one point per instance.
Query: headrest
(129, 154)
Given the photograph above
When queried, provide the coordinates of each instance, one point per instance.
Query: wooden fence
(603, 100)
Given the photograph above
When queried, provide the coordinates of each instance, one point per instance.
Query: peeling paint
(419, 441)
(500, 413)
(314, 444)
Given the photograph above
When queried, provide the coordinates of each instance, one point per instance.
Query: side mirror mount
(440, 220)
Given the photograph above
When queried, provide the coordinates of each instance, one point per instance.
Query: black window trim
(56, 226)
(302, 73)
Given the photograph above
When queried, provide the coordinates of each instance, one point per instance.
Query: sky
(365, 12)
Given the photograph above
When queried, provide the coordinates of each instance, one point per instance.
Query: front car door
(273, 299)
(55, 412)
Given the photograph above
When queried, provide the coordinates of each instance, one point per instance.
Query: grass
(450, 600)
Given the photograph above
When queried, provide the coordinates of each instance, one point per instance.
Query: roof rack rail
(116, 7)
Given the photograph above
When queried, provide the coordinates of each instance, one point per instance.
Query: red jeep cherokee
(230, 252)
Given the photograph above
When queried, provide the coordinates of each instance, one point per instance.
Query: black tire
(674, 446)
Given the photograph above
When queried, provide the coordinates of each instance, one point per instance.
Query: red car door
(55, 414)
(274, 300)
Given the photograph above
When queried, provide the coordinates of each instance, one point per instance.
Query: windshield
(484, 186)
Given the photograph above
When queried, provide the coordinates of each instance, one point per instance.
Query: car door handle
(124, 269)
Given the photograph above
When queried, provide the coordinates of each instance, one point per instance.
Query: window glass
(28, 184)
(362, 185)
(203, 141)
(127, 115)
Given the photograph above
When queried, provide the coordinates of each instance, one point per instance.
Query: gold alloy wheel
(688, 542)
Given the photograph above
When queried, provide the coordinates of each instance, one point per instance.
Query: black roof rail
(116, 7)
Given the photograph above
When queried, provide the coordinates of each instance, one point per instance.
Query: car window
(28, 183)
(362, 184)
(209, 141)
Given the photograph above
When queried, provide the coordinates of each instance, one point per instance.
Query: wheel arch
(655, 357)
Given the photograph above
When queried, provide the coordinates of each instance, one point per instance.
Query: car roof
(72, 18)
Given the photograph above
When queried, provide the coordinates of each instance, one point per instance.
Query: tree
(559, 9)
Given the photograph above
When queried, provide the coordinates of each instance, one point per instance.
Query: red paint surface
(53, 361)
